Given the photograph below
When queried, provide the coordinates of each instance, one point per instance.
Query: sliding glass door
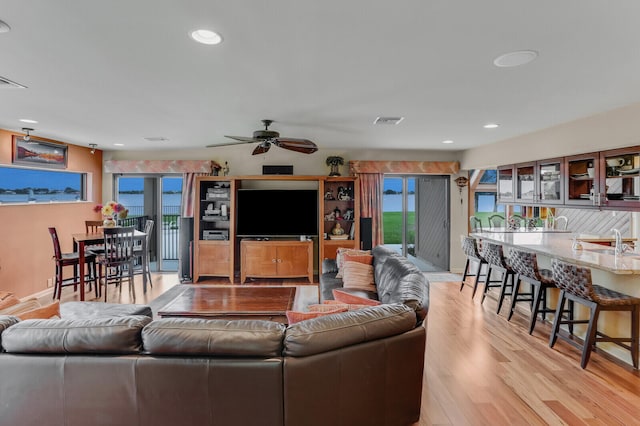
(155, 197)
(416, 219)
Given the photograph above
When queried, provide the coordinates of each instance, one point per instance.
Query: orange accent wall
(26, 249)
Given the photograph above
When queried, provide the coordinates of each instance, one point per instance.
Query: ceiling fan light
(206, 37)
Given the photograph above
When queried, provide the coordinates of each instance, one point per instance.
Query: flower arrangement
(111, 211)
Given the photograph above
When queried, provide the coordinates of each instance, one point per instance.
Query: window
(21, 185)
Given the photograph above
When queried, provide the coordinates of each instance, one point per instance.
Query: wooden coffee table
(238, 302)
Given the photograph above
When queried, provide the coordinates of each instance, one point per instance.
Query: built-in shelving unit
(220, 252)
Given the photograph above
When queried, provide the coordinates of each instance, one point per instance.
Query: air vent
(388, 120)
(156, 139)
(5, 83)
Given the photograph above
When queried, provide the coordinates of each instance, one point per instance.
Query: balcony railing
(170, 228)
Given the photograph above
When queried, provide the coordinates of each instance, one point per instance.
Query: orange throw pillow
(328, 305)
(342, 251)
(352, 299)
(294, 316)
(43, 312)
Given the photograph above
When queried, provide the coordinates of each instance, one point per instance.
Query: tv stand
(275, 259)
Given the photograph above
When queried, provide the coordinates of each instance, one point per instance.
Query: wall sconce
(93, 148)
(27, 137)
(462, 181)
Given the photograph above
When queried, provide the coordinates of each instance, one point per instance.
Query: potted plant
(335, 162)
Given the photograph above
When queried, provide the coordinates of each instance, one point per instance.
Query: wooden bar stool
(470, 248)
(575, 284)
(496, 261)
(525, 264)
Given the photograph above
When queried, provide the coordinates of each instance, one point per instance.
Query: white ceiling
(119, 71)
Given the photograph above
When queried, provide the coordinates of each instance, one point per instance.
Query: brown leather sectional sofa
(355, 368)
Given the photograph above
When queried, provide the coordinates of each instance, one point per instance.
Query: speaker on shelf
(277, 170)
(365, 233)
(185, 242)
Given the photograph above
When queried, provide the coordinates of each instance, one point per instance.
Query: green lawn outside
(392, 226)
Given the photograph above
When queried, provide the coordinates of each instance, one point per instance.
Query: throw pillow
(352, 299)
(21, 307)
(8, 300)
(43, 312)
(358, 275)
(294, 316)
(328, 305)
(345, 250)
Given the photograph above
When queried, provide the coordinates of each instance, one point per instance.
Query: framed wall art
(38, 153)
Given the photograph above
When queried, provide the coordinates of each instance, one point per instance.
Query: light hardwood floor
(481, 369)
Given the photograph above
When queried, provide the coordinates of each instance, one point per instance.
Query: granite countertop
(559, 245)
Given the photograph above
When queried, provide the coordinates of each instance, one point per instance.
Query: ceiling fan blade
(261, 148)
(304, 146)
(242, 138)
(228, 144)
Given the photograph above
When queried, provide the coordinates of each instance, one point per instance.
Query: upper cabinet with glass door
(505, 184)
(620, 177)
(582, 184)
(540, 182)
(549, 176)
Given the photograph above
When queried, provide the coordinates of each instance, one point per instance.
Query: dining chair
(470, 249)
(516, 221)
(496, 221)
(92, 226)
(496, 262)
(575, 284)
(525, 264)
(117, 262)
(63, 260)
(561, 222)
(476, 224)
(145, 257)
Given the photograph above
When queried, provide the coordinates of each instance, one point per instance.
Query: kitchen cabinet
(539, 182)
(506, 184)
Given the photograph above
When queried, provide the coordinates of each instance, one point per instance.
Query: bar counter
(559, 245)
(620, 273)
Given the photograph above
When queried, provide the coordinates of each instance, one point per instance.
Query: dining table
(81, 240)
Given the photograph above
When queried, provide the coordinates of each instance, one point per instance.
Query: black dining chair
(117, 262)
(63, 260)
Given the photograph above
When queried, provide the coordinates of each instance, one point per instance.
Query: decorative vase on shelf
(109, 222)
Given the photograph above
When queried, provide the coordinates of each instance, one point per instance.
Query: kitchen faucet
(620, 247)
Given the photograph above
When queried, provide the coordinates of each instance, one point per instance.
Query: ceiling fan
(267, 137)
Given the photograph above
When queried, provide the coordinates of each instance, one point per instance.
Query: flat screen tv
(276, 212)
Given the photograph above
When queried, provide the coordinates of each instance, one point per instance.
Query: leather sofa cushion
(380, 255)
(6, 321)
(88, 310)
(119, 335)
(402, 282)
(349, 328)
(191, 336)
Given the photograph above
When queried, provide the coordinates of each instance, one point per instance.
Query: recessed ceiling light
(447, 141)
(28, 120)
(156, 139)
(491, 126)
(515, 59)
(4, 27)
(206, 37)
(118, 144)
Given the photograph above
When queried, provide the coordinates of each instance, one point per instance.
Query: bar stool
(575, 284)
(525, 264)
(470, 248)
(494, 256)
